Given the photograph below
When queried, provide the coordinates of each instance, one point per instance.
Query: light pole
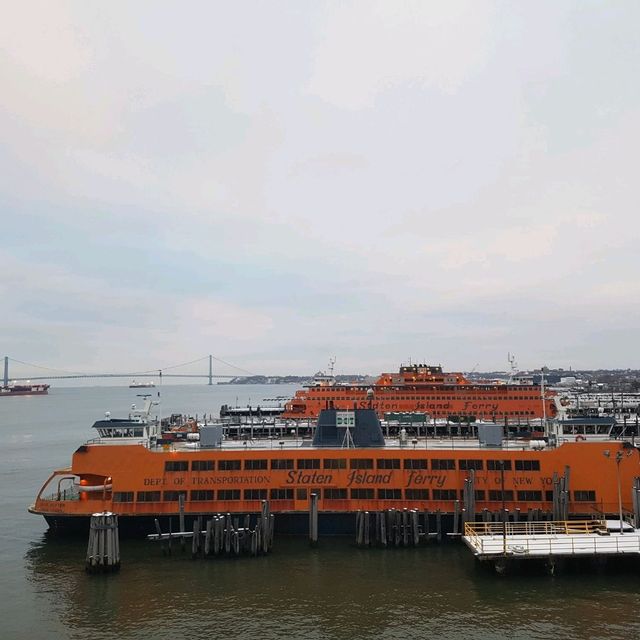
(618, 459)
(504, 511)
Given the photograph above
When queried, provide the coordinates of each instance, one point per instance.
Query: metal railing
(70, 493)
(572, 537)
(543, 527)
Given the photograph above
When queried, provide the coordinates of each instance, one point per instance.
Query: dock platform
(501, 543)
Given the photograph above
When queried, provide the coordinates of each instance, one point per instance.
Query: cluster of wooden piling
(230, 534)
(396, 527)
(103, 550)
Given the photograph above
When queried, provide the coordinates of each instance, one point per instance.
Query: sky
(278, 183)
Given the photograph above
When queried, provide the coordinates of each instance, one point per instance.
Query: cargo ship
(134, 470)
(28, 389)
(426, 388)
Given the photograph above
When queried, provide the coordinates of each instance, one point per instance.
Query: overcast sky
(276, 183)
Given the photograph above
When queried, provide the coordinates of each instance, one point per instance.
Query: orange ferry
(428, 389)
(134, 472)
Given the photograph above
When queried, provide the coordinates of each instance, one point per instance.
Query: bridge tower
(5, 380)
(210, 370)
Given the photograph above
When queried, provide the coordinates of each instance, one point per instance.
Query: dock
(503, 543)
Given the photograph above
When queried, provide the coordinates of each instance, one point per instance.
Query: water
(334, 591)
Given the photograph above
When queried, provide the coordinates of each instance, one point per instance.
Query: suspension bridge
(49, 373)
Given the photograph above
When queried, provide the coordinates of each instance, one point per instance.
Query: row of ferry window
(437, 464)
(494, 495)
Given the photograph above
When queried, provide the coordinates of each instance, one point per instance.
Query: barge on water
(132, 470)
(13, 390)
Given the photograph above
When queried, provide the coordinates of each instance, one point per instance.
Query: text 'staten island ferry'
(139, 472)
(428, 389)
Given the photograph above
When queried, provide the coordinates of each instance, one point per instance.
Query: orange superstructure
(141, 481)
(425, 388)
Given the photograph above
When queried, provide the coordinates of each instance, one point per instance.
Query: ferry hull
(293, 524)
(297, 524)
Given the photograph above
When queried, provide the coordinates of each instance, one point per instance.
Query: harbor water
(332, 591)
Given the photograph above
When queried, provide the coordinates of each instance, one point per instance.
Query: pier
(503, 543)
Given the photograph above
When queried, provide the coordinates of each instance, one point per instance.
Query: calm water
(335, 591)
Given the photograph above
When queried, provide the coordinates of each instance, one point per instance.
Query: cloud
(275, 185)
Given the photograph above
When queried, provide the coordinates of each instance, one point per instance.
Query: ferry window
(229, 465)
(548, 496)
(495, 495)
(309, 463)
(201, 494)
(584, 496)
(281, 463)
(390, 494)
(123, 496)
(255, 465)
(229, 494)
(470, 464)
(494, 465)
(203, 465)
(255, 494)
(530, 495)
(388, 463)
(335, 494)
(173, 496)
(301, 494)
(416, 494)
(444, 494)
(480, 495)
(442, 464)
(281, 494)
(362, 494)
(176, 465)
(413, 463)
(334, 463)
(361, 463)
(148, 496)
(527, 465)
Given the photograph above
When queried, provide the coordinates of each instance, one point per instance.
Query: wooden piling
(181, 518)
(207, 539)
(159, 532)
(456, 518)
(313, 519)
(103, 548)
(635, 501)
(227, 533)
(415, 528)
